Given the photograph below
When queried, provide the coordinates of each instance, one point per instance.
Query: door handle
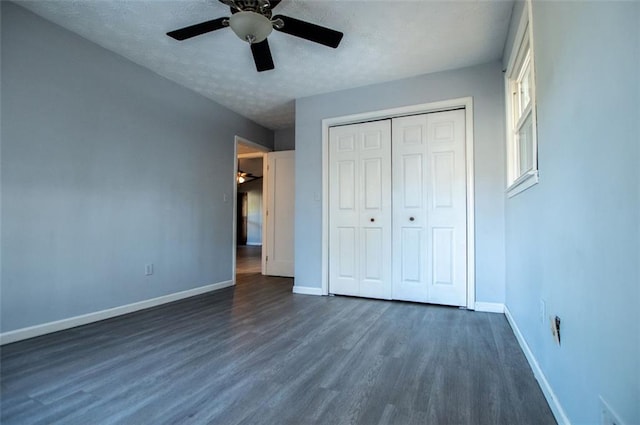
(372, 219)
(411, 218)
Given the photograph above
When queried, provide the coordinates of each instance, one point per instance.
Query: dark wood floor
(248, 259)
(258, 354)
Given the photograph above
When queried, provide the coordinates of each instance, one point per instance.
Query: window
(522, 152)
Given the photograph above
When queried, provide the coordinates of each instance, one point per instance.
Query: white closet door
(410, 194)
(429, 186)
(360, 210)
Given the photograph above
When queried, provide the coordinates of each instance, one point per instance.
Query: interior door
(429, 187)
(278, 257)
(360, 209)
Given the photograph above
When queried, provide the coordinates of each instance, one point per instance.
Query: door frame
(464, 102)
(234, 227)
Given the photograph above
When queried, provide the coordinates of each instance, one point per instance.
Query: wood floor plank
(259, 354)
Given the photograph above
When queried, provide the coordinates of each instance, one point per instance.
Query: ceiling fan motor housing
(263, 7)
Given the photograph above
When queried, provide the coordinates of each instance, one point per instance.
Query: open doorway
(249, 208)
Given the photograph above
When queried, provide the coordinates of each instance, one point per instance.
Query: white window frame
(521, 57)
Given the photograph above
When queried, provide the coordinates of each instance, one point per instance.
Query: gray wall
(106, 167)
(485, 84)
(573, 239)
(285, 139)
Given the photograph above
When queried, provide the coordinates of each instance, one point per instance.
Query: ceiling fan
(243, 177)
(252, 21)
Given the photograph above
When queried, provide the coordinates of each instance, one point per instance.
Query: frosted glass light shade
(250, 26)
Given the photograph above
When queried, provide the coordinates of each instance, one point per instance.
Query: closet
(397, 209)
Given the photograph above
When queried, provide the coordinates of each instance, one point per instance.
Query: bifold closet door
(360, 210)
(429, 208)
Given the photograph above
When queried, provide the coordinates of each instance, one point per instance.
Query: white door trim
(464, 102)
(234, 226)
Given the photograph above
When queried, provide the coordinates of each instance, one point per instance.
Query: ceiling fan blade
(262, 56)
(309, 31)
(197, 29)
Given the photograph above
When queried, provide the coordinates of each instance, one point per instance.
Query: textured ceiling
(384, 40)
(244, 149)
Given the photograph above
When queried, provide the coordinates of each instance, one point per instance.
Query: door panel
(346, 143)
(347, 185)
(448, 208)
(411, 188)
(410, 256)
(371, 140)
(372, 184)
(443, 173)
(429, 201)
(279, 252)
(410, 241)
(372, 244)
(443, 261)
(347, 252)
(344, 228)
(359, 200)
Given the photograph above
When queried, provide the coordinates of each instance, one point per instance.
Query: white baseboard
(72, 322)
(554, 404)
(489, 307)
(254, 243)
(307, 290)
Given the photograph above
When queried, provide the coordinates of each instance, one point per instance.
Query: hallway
(248, 259)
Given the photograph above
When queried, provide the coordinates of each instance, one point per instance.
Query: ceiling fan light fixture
(251, 27)
(253, 21)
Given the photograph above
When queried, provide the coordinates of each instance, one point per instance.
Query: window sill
(523, 183)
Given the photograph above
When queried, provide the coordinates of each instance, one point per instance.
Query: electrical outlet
(543, 310)
(607, 415)
(148, 269)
